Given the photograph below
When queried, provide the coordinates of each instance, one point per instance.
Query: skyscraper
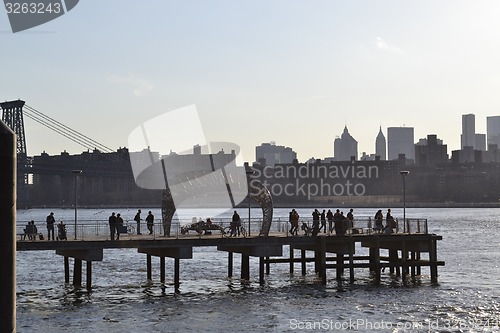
(493, 130)
(345, 147)
(468, 137)
(400, 141)
(274, 154)
(380, 145)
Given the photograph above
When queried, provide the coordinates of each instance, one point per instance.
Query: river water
(466, 299)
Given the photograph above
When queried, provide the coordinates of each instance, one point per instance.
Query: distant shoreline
(303, 205)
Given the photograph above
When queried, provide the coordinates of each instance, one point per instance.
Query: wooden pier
(407, 253)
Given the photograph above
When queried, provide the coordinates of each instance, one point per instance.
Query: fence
(99, 229)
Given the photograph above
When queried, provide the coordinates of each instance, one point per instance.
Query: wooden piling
(66, 270)
(245, 267)
(230, 264)
(77, 273)
(433, 260)
(291, 259)
(268, 266)
(177, 274)
(148, 267)
(376, 259)
(303, 261)
(322, 260)
(413, 265)
(162, 269)
(89, 275)
(351, 262)
(261, 270)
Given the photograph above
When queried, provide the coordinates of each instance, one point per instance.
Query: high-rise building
(493, 130)
(430, 151)
(468, 137)
(345, 147)
(271, 154)
(400, 141)
(480, 142)
(380, 146)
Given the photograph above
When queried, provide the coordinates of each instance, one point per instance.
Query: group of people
(116, 224)
(30, 230)
(390, 222)
(235, 225)
(61, 228)
(336, 221)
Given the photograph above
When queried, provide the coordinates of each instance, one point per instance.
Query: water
(467, 298)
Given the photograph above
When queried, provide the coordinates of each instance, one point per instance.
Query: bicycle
(226, 232)
(130, 229)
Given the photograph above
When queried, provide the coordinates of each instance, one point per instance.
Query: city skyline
(292, 72)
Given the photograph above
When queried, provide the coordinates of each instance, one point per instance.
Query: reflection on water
(122, 300)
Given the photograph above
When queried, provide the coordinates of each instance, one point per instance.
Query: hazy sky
(294, 72)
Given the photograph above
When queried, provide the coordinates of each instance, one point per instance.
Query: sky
(295, 72)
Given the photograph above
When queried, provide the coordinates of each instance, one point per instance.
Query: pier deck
(404, 252)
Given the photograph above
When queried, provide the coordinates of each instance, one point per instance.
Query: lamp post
(404, 173)
(249, 173)
(76, 173)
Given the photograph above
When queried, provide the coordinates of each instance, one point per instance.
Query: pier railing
(99, 229)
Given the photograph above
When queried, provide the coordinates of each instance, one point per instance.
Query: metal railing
(99, 229)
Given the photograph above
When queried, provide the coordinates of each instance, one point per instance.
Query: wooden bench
(31, 236)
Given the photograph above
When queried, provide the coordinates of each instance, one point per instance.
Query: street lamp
(249, 173)
(76, 173)
(404, 173)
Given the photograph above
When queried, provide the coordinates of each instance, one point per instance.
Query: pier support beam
(291, 259)
(77, 273)
(340, 266)
(66, 270)
(322, 260)
(303, 261)
(183, 252)
(162, 270)
(433, 259)
(177, 274)
(148, 268)
(245, 267)
(89, 275)
(261, 270)
(393, 259)
(351, 262)
(87, 255)
(230, 264)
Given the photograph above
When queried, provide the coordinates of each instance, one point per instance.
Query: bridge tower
(12, 116)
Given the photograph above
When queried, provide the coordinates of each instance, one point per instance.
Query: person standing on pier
(149, 220)
(350, 219)
(112, 225)
(235, 224)
(50, 225)
(119, 225)
(323, 221)
(137, 219)
(329, 217)
(379, 217)
(389, 222)
(294, 220)
(315, 226)
(338, 221)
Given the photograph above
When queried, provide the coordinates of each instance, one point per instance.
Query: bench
(31, 235)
